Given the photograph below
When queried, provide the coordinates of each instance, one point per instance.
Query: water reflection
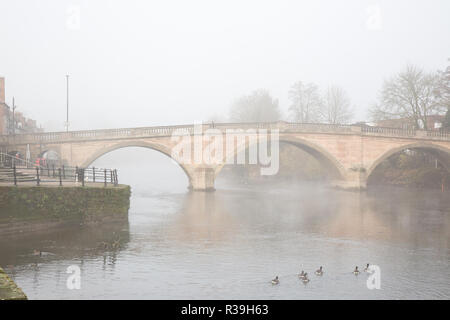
(230, 243)
(203, 217)
(80, 242)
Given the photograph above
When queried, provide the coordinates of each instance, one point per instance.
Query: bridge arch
(441, 153)
(50, 155)
(325, 158)
(149, 145)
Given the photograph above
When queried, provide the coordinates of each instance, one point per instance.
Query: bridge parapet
(319, 127)
(160, 131)
(438, 134)
(384, 131)
(55, 137)
(409, 133)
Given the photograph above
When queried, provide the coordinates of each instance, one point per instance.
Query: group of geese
(303, 276)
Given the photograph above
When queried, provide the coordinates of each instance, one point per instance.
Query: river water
(230, 243)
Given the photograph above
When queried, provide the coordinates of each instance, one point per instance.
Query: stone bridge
(350, 153)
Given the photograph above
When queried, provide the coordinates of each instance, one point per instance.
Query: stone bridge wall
(350, 152)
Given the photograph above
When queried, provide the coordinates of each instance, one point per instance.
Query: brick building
(13, 122)
(4, 109)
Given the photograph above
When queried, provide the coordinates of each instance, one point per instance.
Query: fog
(142, 63)
(149, 172)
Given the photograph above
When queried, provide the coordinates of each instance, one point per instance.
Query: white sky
(142, 63)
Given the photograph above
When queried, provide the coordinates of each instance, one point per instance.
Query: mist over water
(230, 243)
(109, 64)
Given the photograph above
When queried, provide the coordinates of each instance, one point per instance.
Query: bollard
(15, 177)
(37, 176)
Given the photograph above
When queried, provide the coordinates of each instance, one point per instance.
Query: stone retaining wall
(25, 208)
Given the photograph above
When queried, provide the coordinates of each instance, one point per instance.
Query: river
(230, 243)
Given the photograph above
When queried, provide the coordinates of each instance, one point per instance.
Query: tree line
(412, 94)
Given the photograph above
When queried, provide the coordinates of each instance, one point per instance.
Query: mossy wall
(33, 206)
(8, 289)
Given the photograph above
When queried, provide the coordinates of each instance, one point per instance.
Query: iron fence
(19, 171)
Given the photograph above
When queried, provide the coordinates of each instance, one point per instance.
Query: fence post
(37, 176)
(64, 172)
(48, 170)
(93, 174)
(82, 177)
(77, 178)
(105, 178)
(116, 180)
(111, 174)
(15, 177)
(53, 170)
(60, 178)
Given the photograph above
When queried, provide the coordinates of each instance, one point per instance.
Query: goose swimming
(305, 278)
(319, 271)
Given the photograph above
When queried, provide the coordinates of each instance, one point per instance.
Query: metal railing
(19, 171)
(7, 160)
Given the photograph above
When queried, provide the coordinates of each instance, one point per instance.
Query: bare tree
(445, 87)
(256, 107)
(306, 102)
(412, 95)
(337, 108)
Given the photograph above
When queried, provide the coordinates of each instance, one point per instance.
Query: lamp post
(67, 103)
(13, 117)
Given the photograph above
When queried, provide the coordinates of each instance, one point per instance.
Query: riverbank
(27, 208)
(8, 289)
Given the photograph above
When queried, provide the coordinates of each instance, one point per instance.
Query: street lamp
(14, 117)
(67, 103)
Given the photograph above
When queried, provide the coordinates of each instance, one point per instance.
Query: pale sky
(142, 63)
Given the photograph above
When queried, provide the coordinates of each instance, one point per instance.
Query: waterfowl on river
(356, 271)
(319, 271)
(275, 281)
(37, 253)
(305, 278)
(301, 274)
(366, 269)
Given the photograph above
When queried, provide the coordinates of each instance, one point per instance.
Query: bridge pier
(354, 181)
(202, 179)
